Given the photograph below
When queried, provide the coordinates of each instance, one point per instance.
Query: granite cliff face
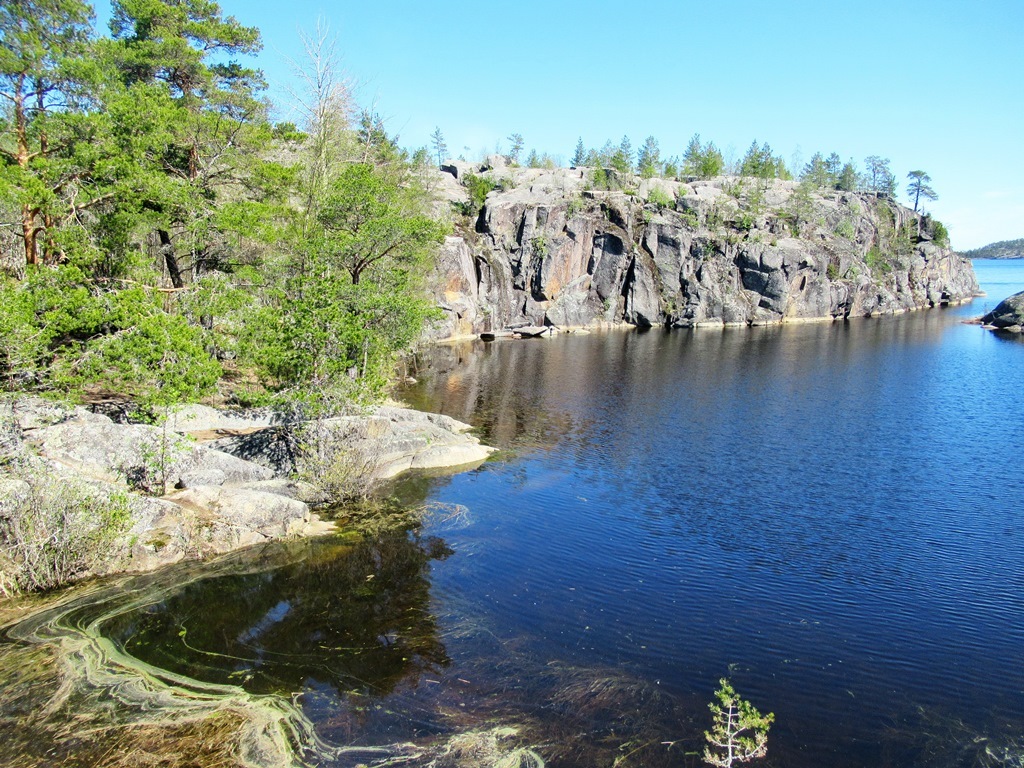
(547, 247)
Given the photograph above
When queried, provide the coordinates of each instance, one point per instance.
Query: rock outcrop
(229, 477)
(548, 249)
(1008, 315)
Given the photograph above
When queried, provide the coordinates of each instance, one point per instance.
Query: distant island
(1004, 249)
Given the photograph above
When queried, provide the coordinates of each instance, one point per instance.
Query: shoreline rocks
(211, 481)
(1008, 316)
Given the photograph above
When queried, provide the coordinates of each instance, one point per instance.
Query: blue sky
(936, 86)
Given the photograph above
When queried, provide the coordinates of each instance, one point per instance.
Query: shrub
(845, 229)
(54, 531)
(575, 205)
(661, 199)
(478, 188)
(328, 461)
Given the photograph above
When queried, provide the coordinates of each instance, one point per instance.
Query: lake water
(830, 515)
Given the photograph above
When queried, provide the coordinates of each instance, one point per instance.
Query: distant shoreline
(996, 258)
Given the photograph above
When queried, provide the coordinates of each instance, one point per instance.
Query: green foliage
(77, 337)
(165, 236)
(816, 173)
(438, 143)
(575, 204)
(877, 261)
(324, 340)
(288, 132)
(622, 157)
(739, 732)
(603, 180)
(702, 160)
(919, 188)
(660, 199)
(648, 162)
(579, 156)
(761, 163)
(844, 228)
(479, 187)
(848, 178)
(879, 178)
(367, 218)
(800, 207)
(936, 230)
(540, 246)
(515, 147)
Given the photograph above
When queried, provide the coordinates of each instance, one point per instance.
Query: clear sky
(936, 86)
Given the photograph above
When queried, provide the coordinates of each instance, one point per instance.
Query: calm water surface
(830, 515)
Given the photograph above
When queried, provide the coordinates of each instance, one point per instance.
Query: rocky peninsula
(577, 247)
(117, 496)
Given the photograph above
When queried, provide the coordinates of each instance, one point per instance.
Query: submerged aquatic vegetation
(944, 741)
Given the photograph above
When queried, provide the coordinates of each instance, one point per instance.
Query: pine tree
(622, 157)
(515, 147)
(40, 38)
(579, 157)
(739, 732)
(440, 148)
(919, 188)
(649, 158)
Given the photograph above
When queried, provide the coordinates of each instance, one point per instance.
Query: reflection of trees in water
(354, 617)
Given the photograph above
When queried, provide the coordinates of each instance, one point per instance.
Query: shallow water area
(830, 515)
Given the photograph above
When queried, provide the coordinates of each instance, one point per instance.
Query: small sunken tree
(739, 732)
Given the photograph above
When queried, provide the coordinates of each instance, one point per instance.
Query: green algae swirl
(78, 695)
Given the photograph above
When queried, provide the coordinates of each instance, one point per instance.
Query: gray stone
(193, 477)
(13, 494)
(1008, 313)
(114, 452)
(203, 418)
(384, 441)
(239, 515)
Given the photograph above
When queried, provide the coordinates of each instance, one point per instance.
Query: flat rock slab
(111, 452)
(382, 442)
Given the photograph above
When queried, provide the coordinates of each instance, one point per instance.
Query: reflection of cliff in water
(532, 393)
(490, 387)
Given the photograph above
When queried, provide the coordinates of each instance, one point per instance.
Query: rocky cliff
(579, 247)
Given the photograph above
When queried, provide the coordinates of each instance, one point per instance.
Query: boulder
(203, 418)
(13, 493)
(1008, 313)
(209, 520)
(240, 516)
(193, 477)
(136, 452)
(381, 442)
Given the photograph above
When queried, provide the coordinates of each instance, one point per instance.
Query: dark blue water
(830, 515)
